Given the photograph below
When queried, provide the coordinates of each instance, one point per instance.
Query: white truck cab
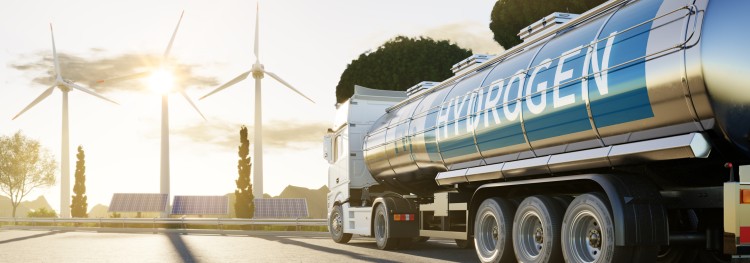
(343, 150)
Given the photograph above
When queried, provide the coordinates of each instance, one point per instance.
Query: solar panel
(281, 208)
(200, 205)
(138, 202)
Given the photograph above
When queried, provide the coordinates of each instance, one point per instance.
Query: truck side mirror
(328, 148)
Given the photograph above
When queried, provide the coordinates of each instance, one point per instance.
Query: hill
(6, 208)
(99, 210)
(316, 199)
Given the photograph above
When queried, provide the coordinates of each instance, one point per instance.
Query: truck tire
(536, 230)
(492, 231)
(588, 234)
(381, 227)
(336, 226)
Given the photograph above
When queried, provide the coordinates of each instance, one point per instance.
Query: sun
(161, 81)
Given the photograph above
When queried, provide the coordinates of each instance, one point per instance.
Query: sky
(307, 43)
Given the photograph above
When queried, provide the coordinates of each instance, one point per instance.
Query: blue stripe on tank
(627, 99)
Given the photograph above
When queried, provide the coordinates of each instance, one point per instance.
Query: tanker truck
(617, 135)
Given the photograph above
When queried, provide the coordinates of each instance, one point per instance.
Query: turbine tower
(65, 86)
(161, 78)
(258, 72)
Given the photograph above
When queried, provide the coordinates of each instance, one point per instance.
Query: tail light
(744, 196)
(411, 217)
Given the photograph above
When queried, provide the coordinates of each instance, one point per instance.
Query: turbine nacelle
(161, 80)
(257, 70)
(63, 86)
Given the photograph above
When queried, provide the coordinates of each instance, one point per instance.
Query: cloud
(471, 35)
(89, 70)
(276, 134)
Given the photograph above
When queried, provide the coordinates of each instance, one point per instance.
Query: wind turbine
(162, 79)
(65, 86)
(257, 71)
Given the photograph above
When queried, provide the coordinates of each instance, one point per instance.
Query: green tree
(79, 205)
(42, 212)
(243, 204)
(399, 64)
(24, 166)
(510, 16)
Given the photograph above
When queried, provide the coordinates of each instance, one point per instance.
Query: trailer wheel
(336, 226)
(492, 231)
(536, 230)
(382, 230)
(588, 232)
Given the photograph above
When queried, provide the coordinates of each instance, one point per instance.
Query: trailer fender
(396, 205)
(635, 203)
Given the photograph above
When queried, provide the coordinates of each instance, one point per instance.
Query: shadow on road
(353, 255)
(32, 236)
(435, 249)
(179, 246)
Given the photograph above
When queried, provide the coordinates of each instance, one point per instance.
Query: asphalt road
(62, 246)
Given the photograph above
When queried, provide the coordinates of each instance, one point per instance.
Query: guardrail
(183, 223)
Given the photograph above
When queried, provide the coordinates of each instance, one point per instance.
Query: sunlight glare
(161, 81)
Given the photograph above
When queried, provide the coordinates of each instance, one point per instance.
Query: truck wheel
(588, 231)
(492, 231)
(382, 230)
(536, 230)
(336, 226)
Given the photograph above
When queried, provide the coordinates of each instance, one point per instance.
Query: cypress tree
(79, 205)
(243, 205)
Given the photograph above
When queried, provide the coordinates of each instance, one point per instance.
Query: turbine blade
(122, 78)
(171, 41)
(226, 85)
(192, 104)
(257, 25)
(54, 52)
(287, 85)
(41, 97)
(74, 86)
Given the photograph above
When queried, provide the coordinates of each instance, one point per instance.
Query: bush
(42, 213)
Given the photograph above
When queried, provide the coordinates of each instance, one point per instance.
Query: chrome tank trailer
(625, 72)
